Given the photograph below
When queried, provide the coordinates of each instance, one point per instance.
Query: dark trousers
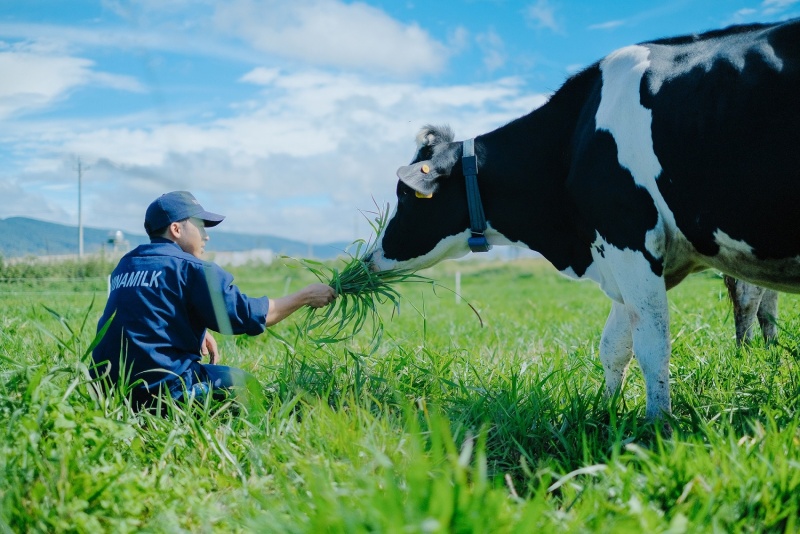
(200, 380)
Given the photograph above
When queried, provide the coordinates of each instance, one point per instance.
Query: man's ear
(174, 230)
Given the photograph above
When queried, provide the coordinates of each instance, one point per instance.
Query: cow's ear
(421, 177)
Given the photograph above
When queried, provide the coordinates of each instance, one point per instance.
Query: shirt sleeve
(222, 307)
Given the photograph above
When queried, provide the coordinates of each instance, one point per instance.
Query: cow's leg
(746, 299)
(767, 315)
(645, 296)
(649, 316)
(616, 347)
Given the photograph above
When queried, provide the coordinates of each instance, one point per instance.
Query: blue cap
(176, 206)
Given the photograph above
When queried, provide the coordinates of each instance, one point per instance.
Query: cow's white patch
(737, 258)
(629, 281)
(638, 323)
(623, 116)
(451, 247)
(570, 273)
(603, 269)
(681, 59)
(600, 270)
(729, 244)
(496, 238)
(655, 240)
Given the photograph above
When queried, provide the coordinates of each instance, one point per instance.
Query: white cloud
(34, 81)
(260, 76)
(331, 33)
(745, 13)
(28, 201)
(155, 36)
(458, 40)
(298, 155)
(609, 25)
(574, 68)
(768, 10)
(493, 48)
(771, 7)
(543, 15)
(300, 161)
(322, 33)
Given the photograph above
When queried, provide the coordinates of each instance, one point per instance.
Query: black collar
(477, 220)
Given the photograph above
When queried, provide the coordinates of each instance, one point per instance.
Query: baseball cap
(176, 206)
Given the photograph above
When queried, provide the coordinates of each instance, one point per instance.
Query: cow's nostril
(368, 258)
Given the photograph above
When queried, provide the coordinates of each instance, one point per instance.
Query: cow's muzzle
(369, 263)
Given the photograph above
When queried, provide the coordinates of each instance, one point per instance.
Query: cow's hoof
(659, 426)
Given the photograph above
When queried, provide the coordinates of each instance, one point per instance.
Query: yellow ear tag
(425, 170)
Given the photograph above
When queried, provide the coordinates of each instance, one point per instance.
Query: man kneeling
(164, 300)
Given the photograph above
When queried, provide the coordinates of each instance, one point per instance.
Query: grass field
(445, 426)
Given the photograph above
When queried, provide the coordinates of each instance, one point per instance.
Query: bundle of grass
(361, 292)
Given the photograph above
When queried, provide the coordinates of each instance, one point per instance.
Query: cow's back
(725, 129)
(709, 126)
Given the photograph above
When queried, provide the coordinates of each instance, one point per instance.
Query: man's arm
(314, 295)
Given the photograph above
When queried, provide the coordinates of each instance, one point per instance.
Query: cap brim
(210, 219)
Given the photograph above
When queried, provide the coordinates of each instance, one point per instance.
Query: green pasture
(445, 425)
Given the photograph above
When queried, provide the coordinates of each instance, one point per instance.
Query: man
(164, 300)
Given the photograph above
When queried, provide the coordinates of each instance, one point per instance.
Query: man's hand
(209, 348)
(319, 295)
(314, 295)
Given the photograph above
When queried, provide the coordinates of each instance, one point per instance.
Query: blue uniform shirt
(164, 300)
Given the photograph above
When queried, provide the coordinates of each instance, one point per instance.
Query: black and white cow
(662, 159)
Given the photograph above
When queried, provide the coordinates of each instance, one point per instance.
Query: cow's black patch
(610, 200)
(727, 141)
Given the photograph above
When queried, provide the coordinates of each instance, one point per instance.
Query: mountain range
(22, 236)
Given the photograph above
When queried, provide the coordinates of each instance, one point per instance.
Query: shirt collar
(163, 240)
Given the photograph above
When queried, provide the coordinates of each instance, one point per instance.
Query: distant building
(118, 242)
(263, 256)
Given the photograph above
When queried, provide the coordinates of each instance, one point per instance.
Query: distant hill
(21, 236)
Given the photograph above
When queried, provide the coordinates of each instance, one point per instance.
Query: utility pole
(80, 209)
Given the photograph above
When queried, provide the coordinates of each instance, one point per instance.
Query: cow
(750, 302)
(662, 159)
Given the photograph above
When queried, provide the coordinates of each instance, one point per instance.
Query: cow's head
(431, 219)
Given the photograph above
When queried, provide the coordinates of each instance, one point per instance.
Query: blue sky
(289, 117)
